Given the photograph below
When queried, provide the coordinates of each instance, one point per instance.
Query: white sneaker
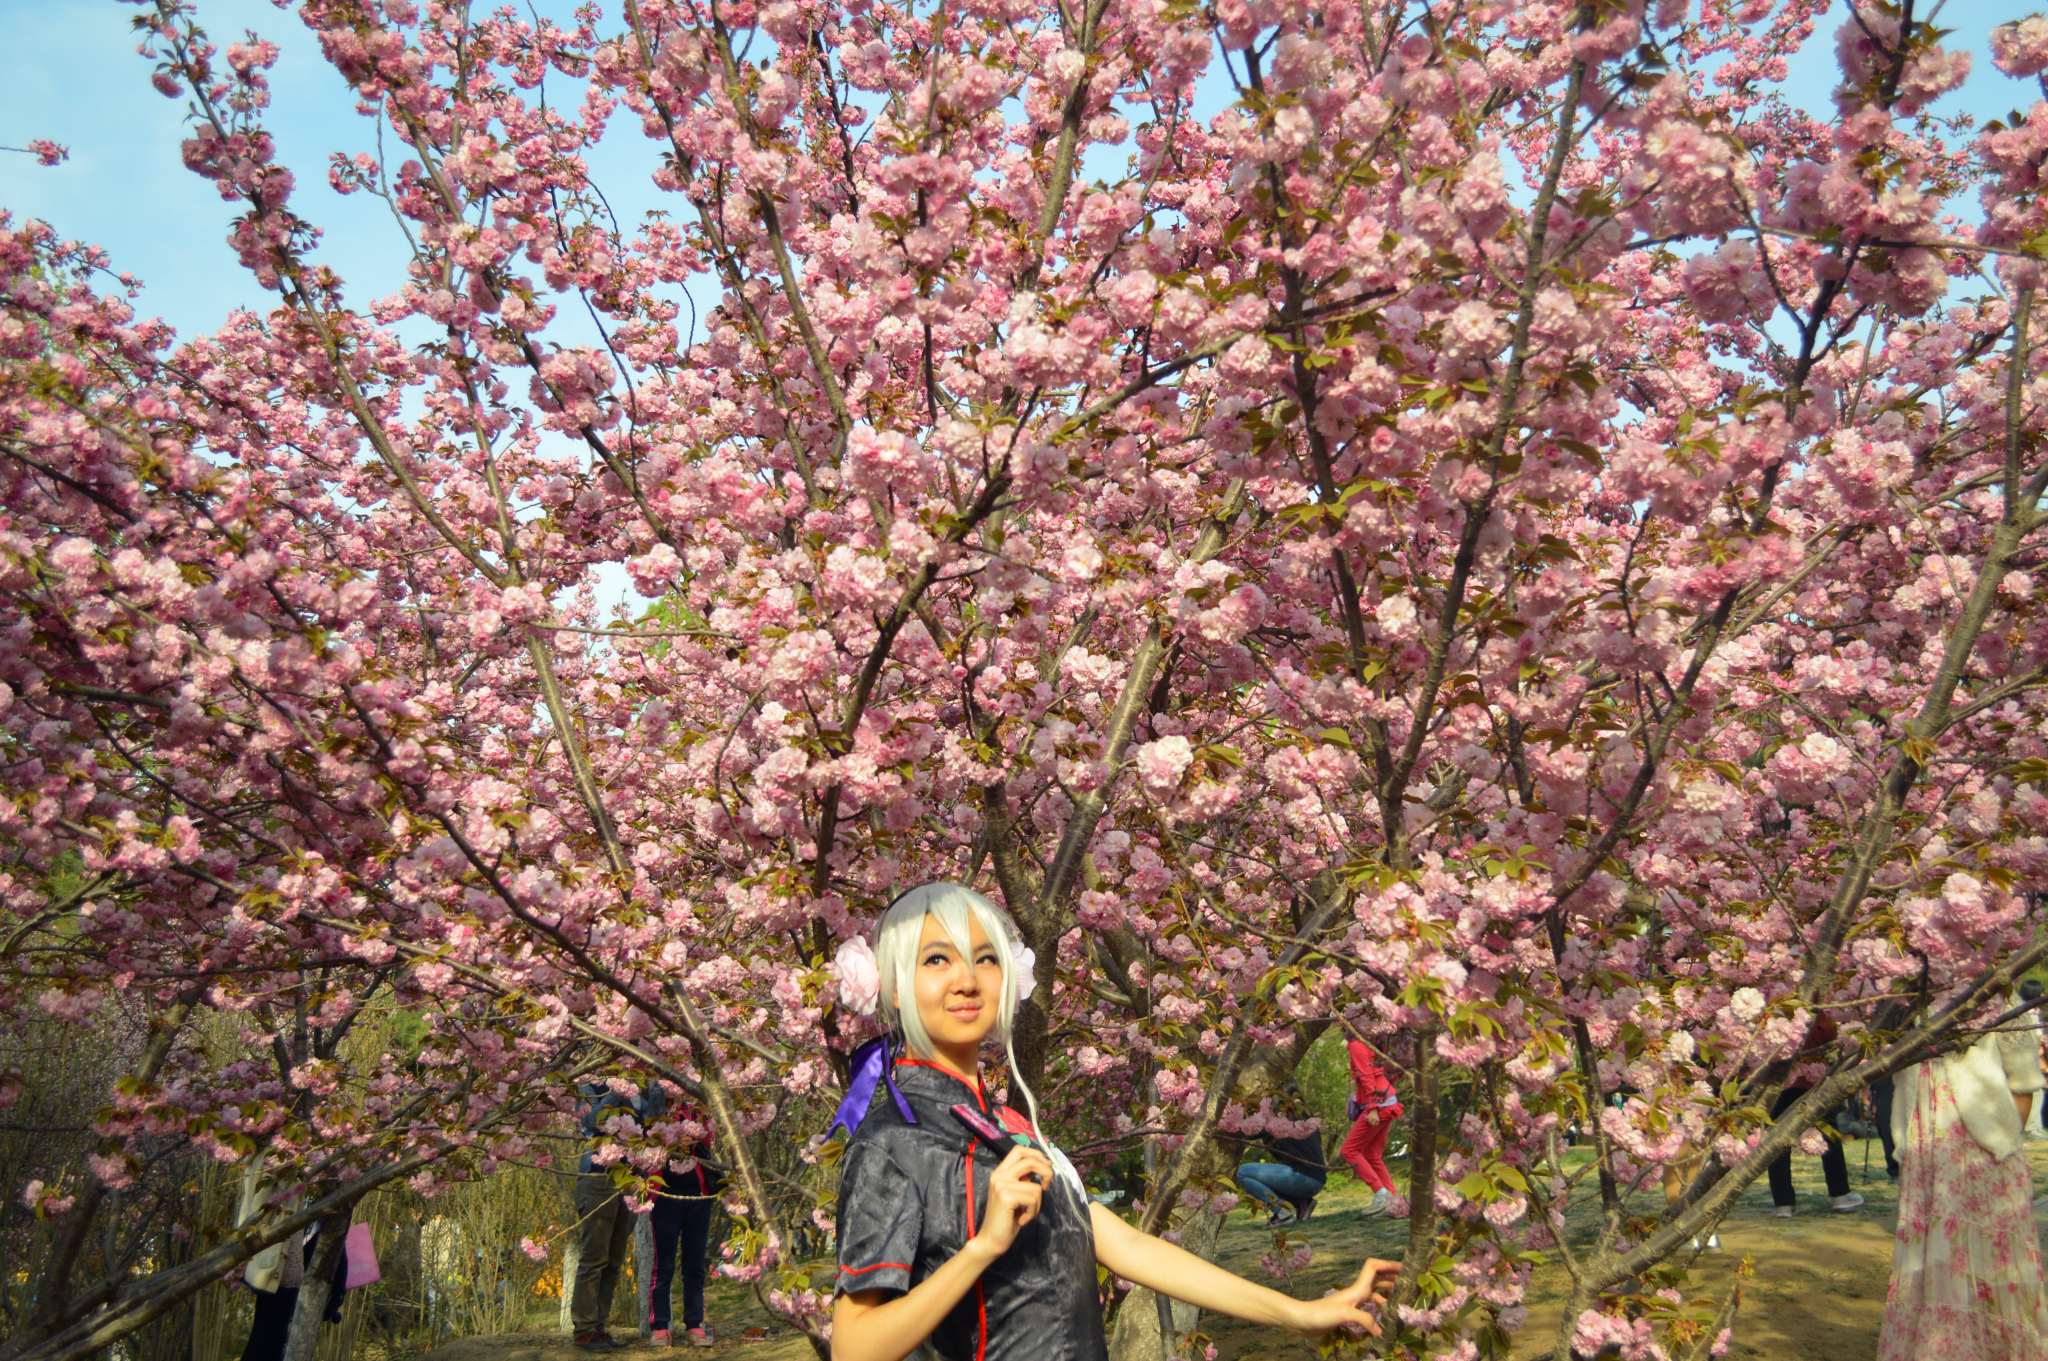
(1848, 1204)
(1380, 1201)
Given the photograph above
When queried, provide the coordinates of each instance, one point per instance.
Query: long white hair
(896, 942)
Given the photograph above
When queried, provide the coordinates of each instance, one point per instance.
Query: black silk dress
(911, 1194)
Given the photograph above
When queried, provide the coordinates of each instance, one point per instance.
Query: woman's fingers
(1021, 1157)
(1333, 1312)
(1366, 1290)
(1375, 1270)
(1024, 1163)
(1015, 1192)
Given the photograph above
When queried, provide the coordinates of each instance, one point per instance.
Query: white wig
(896, 941)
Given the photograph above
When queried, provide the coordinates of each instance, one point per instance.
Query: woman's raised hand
(1346, 1307)
(1014, 1191)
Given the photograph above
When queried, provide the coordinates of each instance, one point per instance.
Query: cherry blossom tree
(1483, 524)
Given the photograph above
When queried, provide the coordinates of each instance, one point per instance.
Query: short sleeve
(2020, 1051)
(881, 1221)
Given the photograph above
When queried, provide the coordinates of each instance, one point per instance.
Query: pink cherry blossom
(1474, 544)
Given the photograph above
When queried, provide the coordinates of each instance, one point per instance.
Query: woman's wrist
(981, 1252)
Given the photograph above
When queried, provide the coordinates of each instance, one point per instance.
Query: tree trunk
(1135, 1336)
(643, 1270)
(572, 1255)
(303, 1344)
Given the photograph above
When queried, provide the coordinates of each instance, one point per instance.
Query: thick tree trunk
(1135, 1336)
(304, 1342)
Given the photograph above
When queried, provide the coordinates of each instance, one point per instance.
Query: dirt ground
(1817, 1293)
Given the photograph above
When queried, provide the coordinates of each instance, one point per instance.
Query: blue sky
(72, 75)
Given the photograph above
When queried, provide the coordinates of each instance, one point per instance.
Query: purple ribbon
(872, 1063)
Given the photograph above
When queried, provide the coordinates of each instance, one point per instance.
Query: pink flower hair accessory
(1022, 964)
(859, 979)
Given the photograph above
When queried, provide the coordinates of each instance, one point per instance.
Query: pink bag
(361, 1252)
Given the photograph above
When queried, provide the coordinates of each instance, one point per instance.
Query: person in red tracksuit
(1374, 1108)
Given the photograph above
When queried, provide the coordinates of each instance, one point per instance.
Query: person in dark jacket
(960, 1229)
(1288, 1185)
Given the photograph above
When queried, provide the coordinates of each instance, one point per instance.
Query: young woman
(1374, 1108)
(1966, 1266)
(960, 1229)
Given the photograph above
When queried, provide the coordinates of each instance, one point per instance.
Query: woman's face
(957, 997)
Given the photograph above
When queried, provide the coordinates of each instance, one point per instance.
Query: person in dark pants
(604, 1225)
(271, 1329)
(272, 1326)
(1834, 1165)
(1288, 1180)
(681, 1221)
(1881, 1116)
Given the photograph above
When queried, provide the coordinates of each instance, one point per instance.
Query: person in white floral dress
(1966, 1270)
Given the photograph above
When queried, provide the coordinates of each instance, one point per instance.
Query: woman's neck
(963, 1063)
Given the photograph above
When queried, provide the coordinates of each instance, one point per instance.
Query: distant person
(2036, 1127)
(1678, 1174)
(1966, 1266)
(1881, 1092)
(275, 1274)
(604, 1226)
(681, 1221)
(1374, 1108)
(1834, 1163)
(1287, 1183)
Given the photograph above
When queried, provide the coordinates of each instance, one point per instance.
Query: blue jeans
(682, 1226)
(1271, 1183)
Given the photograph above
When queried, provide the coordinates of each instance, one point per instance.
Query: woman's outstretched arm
(870, 1326)
(1175, 1272)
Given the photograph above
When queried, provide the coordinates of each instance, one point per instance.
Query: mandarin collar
(928, 1079)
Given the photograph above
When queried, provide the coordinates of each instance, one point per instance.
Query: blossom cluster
(1507, 539)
